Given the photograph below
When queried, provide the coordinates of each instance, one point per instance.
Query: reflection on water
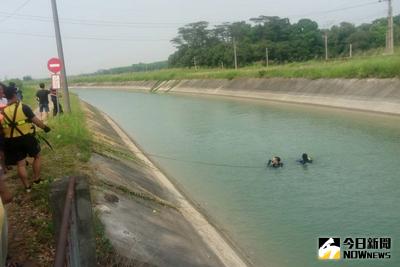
(276, 215)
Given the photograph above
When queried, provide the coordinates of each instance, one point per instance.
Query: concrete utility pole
(266, 57)
(351, 51)
(67, 105)
(195, 63)
(326, 45)
(389, 35)
(235, 52)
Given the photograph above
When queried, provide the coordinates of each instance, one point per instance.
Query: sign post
(54, 65)
(56, 81)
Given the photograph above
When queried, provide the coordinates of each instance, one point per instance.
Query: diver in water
(275, 162)
(305, 159)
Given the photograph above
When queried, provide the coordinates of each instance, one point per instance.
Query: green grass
(70, 131)
(361, 66)
(105, 251)
(73, 145)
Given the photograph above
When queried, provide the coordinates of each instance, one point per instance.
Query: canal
(217, 149)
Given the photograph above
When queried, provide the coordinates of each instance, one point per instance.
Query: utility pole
(234, 51)
(326, 46)
(351, 51)
(266, 57)
(67, 105)
(195, 63)
(389, 35)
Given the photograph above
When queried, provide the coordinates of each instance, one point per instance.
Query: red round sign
(54, 65)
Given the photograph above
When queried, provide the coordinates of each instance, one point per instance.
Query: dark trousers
(56, 109)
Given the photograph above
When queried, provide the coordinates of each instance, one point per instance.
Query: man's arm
(31, 116)
(39, 123)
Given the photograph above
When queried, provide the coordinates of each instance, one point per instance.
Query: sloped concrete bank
(148, 220)
(376, 95)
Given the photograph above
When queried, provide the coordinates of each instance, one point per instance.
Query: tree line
(199, 45)
(140, 67)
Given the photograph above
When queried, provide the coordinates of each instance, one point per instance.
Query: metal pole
(326, 46)
(234, 51)
(266, 57)
(67, 105)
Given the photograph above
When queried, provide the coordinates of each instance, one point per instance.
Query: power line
(96, 38)
(15, 11)
(371, 18)
(106, 23)
(334, 10)
(109, 23)
(129, 24)
(94, 23)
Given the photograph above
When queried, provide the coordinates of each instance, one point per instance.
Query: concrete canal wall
(377, 95)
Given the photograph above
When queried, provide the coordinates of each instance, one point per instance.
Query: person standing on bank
(55, 99)
(42, 95)
(19, 136)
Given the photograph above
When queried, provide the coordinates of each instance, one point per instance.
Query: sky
(100, 34)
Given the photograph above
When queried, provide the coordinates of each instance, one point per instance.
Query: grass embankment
(31, 227)
(376, 66)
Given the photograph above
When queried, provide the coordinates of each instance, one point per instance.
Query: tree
(27, 78)
(339, 38)
(285, 41)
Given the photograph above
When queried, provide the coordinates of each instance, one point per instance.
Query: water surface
(216, 149)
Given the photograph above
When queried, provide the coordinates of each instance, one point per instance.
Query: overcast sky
(100, 34)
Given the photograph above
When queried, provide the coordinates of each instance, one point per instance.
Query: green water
(275, 215)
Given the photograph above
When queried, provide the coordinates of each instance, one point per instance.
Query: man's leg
(37, 162)
(22, 173)
(46, 112)
(41, 111)
(59, 107)
(54, 106)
